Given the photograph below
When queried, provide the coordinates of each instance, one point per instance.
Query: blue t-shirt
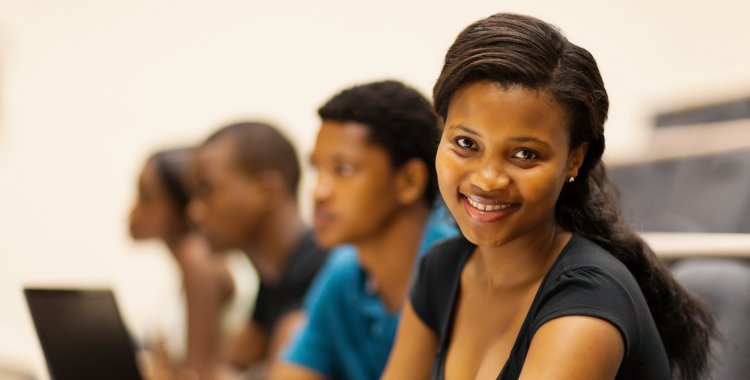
(350, 332)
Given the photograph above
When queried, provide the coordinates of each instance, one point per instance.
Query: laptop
(82, 334)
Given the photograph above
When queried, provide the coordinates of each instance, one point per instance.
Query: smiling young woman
(547, 281)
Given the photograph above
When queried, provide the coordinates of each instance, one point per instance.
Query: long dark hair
(172, 169)
(516, 50)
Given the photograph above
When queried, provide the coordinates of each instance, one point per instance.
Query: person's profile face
(154, 214)
(502, 161)
(355, 192)
(225, 201)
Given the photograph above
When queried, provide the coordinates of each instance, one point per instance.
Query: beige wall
(88, 88)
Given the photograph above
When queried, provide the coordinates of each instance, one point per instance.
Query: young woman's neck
(388, 257)
(175, 242)
(277, 235)
(522, 261)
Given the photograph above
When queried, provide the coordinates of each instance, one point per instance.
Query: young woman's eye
(345, 170)
(466, 143)
(525, 155)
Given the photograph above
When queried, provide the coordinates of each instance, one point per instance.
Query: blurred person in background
(246, 176)
(376, 190)
(213, 286)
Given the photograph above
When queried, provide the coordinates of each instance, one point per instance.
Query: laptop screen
(82, 334)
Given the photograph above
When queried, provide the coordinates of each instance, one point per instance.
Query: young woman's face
(503, 159)
(154, 214)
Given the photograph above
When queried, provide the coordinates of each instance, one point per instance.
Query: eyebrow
(336, 159)
(465, 129)
(528, 139)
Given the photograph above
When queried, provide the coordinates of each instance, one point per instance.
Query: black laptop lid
(82, 334)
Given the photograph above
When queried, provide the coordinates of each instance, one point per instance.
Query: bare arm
(253, 345)
(285, 329)
(247, 347)
(574, 347)
(413, 352)
(288, 371)
(281, 370)
(208, 286)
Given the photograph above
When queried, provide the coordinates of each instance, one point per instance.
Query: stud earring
(571, 179)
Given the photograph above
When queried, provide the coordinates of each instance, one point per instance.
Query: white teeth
(484, 207)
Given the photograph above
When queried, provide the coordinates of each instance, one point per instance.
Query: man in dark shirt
(246, 178)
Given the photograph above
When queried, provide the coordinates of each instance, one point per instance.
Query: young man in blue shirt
(376, 188)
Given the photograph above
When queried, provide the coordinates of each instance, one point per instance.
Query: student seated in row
(246, 180)
(376, 188)
(214, 295)
(546, 281)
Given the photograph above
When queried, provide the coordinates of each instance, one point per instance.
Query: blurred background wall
(89, 88)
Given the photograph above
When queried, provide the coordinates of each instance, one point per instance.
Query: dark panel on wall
(696, 194)
(724, 111)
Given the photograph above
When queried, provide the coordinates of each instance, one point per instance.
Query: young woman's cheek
(445, 165)
(541, 183)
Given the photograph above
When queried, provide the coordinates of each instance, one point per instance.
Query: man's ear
(575, 160)
(411, 181)
(272, 186)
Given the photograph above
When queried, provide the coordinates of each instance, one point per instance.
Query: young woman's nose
(196, 211)
(490, 175)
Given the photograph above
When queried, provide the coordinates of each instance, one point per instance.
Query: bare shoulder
(413, 350)
(574, 347)
(287, 371)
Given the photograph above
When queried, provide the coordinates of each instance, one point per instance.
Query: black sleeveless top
(584, 280)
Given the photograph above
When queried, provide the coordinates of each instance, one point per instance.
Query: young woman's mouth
(487, 210)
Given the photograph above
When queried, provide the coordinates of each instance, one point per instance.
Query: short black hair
(260, 147)
(399, 118)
